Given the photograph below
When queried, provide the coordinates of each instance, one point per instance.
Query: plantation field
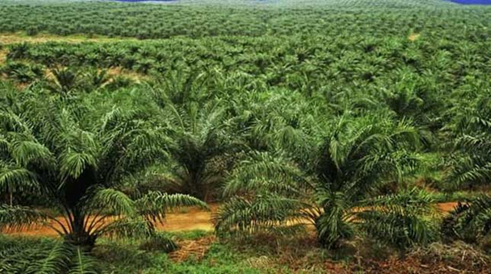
(220, 136)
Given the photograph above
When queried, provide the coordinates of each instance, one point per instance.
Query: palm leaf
(18, 217)
(57, 260)
(111, 201)
(17, 179)
(82, 263)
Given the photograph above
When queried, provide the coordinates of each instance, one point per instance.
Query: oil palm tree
(470, 162)
(64, 80)
(274, 120)
(337, 191)
(97, 79)
(470, 222)
(201, 147)
(79, 165)
(199, 126)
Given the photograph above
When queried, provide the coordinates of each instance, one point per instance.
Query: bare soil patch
(185, 220)
(414, 36)
(3, 56)
(137, 77)
(192, 248)
(447, 207)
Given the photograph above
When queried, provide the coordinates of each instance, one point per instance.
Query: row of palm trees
(114, 162)
(82, 152)
(355, 57)
(329, 18)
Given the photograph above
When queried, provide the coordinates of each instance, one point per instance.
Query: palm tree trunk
(79, 236)
(205, 199)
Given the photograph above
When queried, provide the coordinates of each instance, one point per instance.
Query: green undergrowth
(126, 256)
(258, 254)
(244, 255)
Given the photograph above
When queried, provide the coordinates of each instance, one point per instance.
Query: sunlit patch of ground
(447, 207)
(192, 219)
(195, 248)
(185, 220)
(3, 56)
(15, 38)
(414, 36)
(137, 77)
(113, 72)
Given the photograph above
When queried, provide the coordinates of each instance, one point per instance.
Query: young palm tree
(275, 120)
(470, 164)
(79, 165)
(202, 146)
(470, 222)
(19, 51)
(64, 80)
(97, 79)
(267, 193)
(352, 159)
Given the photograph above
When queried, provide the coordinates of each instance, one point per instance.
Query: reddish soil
(184, 220)
(447, 207)
(195, 248)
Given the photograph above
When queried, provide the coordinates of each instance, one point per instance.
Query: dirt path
(447, 207)
(186, 220)
(3, 55)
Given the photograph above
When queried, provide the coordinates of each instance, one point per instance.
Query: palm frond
(14, 179)
(136, 227)
(56, 260)
(26, 152)
(155, 204)
(402, 220)
(82, 263)
(263, 213)
(73, 163)
(266, 172)
(18, 217)
(111, 202)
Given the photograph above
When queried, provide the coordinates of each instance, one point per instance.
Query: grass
(124, 256)
(265, 254)
(442, 197)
